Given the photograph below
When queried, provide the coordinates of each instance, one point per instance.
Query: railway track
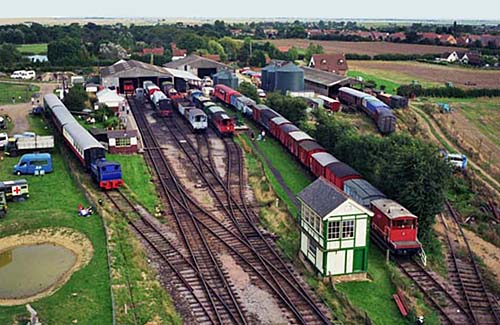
(464, 273)
(185, 216)
(239, 236)
(449, 308)
(183, 275)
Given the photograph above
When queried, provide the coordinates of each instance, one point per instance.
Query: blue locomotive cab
(107, 174)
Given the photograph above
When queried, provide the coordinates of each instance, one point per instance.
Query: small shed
(111, 99)
(334, 231)
(122, 141)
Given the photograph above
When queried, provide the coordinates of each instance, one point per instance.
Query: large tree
(293, 108)
(76, 98)
(249, 90)
(67, 51)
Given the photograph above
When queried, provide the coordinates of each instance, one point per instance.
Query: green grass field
(138, 179)
(483, 113)
(390, 86)
(21, 92)
(33, 49)
(53, 203)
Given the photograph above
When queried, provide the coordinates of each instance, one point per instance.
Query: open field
(368, 48)
(22, 92)
(427, 74)
(33, 48)
(474, 125)
(53, 203)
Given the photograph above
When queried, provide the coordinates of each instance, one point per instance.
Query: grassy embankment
(22, 92)
(53, 203)
(33, 49)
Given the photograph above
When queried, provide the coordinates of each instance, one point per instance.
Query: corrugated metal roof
(309, 145)
(287, 128)
(341, 169)
(197, 62)
(81, 137)
(324, 158)
(300, 135)
(323, 77)
(289, 67)
(134, 68)
(322, 197)
(392, 209)
(182, 74)
(279, 120)
(363, 188)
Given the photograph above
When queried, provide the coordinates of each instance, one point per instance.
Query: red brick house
(335, 63)
(155, 51)
(177, 53)
(122, 141)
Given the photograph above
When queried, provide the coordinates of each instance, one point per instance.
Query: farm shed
(111, 99)
(334, 231)
(122, 141)
(133, 73)
(198, 65)
(325, 83)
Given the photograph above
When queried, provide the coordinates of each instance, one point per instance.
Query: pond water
(28, 270)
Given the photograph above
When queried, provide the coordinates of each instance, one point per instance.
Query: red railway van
(294, 139)
(284, 130)
(224, 93)
(319, 161)
(337, 173)
(395, 226)
(306, 149)
(275, 123)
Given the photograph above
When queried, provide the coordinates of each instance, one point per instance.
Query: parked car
(33, 164)
(3, 122)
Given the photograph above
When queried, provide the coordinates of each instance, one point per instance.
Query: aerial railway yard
(211, 239)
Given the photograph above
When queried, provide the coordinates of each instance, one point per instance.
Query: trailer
(3, 205)
(16, 190)
(17, 146)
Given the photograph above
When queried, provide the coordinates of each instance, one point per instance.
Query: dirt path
(452, 145)
(19, 112)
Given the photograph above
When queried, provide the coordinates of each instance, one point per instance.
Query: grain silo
(268, 77)
(289, 78)
(227, 78)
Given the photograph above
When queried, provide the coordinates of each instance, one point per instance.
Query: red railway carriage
(337, 173)
(275, 123)
(284, 130)
(256, 110)
(224, 93)
(306, 149)
(266, 115)
(319, 161)
(220, 121)
(294, 139)
(395, 226)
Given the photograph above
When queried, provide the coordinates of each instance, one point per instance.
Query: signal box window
(348, 229)
(334, 230)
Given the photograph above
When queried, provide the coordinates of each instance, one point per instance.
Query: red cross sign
(16, 190)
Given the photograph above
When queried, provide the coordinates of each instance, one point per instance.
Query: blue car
(34, 164)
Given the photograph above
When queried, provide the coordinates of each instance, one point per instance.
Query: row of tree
(454, 92)
(406, 169)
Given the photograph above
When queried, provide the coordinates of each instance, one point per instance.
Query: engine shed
(334, 232)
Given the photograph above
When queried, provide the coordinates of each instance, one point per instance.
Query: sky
(400, 9)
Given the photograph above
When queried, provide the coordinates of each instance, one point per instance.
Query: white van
(4, 139)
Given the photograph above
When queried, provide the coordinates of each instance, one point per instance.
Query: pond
(28, 270)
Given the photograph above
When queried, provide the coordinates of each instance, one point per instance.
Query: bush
(453, 92)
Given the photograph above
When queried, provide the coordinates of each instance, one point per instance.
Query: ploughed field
(405, 72)
(368, 48)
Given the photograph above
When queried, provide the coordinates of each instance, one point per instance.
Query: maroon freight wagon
(294, 139)
(339, 172)
(224, 93)
(306, 149)
(284, 130)
(319, 161)
(275, 123)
